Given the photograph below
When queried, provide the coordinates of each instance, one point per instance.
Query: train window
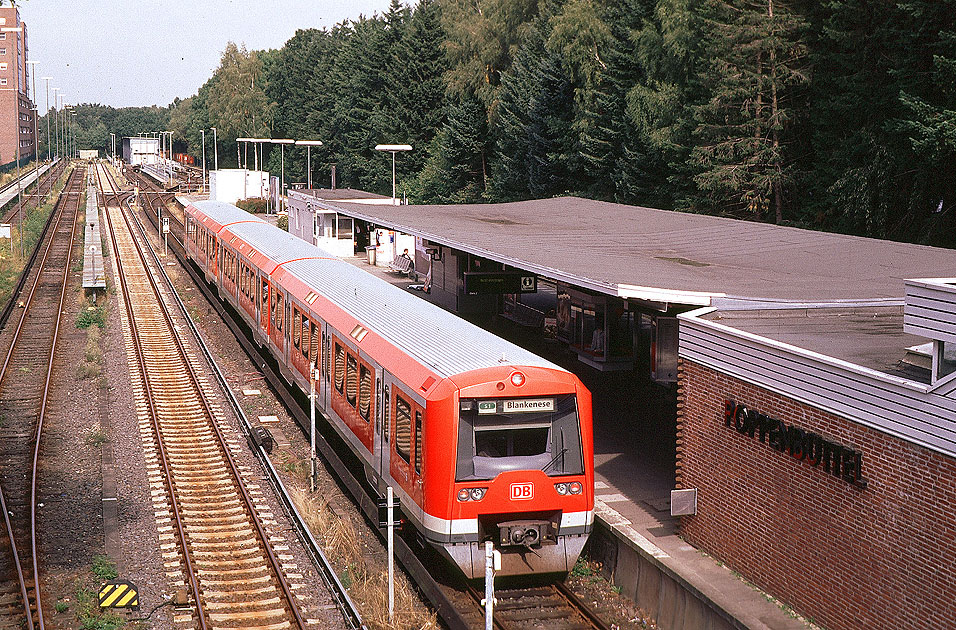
(386, 411)
(286, 315)
(418, 442)
(495, 436)
(339, 368)
(265, 291)
(296, 331)
(365, 392)
(351, 380)
(314, 352)
(305, 337)
(403, 428)
(279, 311)
(272, 312)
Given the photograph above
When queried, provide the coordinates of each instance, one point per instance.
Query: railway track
(25, 378)
(47, 181)
(218, 541)
(551, 606)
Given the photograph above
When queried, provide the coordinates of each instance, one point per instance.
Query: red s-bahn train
(480, 439)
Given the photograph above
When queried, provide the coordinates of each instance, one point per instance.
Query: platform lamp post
(36, 139)
(56, 124)
(203, 132)
(215, 149)
(308, 144)
(393, 149)
(47, 115)
(281, 142)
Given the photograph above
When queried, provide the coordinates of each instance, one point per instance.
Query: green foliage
(104, 568)
(253, 204)
(838, 115)
(91, 316)
(282, 223)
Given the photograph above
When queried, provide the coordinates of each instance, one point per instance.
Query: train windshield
(496, 435)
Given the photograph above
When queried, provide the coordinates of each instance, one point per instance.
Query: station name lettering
(807, 446)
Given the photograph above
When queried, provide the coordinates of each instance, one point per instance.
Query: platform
(634, 474)
(26, 179)
(94, 272)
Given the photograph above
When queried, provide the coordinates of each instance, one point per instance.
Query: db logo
(521, 491)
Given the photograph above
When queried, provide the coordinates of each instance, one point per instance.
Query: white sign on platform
(5, 231)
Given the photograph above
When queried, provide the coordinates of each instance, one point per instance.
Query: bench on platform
(401, 264)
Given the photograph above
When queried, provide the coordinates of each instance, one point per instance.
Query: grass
(92, 364)
(97, 438)
(91, 316)
(11, 263)
(61, 606)
(103, 568)
(367, 585)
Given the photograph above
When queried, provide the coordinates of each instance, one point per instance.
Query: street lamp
(16, 89)
(282, 142)
(36, 139)
(308, 144)
(47, 115)
(203, 132)
(215, 148)
(56, 122)
(393, 149)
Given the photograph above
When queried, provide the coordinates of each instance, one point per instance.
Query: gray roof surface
(225, 213)
(603, 245)
(872, 336)
(440, 340)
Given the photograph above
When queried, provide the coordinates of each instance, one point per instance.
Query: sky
(130, 53)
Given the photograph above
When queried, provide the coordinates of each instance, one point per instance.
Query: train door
(325, 381)
(382, 437)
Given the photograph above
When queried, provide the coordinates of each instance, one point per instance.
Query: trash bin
(370, 252)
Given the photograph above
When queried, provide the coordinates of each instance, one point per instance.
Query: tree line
(836, 114)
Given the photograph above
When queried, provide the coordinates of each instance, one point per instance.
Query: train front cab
(522, 470)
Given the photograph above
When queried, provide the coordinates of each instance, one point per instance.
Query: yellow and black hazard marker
(119, 594)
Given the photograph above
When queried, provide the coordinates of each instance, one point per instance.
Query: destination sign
(526, 405)
(491, 283)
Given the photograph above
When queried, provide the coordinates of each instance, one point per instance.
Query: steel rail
(348, 608)
(453, 618)
(38, 430)
(247, 499)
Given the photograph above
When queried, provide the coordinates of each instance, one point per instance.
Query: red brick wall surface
(879, 557)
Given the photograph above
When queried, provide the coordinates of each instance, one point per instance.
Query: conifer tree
(758, 62)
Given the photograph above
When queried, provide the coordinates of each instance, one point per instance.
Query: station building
(16, 108)
(140, 151)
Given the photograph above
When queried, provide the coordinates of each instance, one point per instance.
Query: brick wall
(879, 557)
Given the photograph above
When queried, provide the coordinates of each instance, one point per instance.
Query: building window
(2, 35)
(947, 359)
(3, 51)
(3, 81)
(3, 65)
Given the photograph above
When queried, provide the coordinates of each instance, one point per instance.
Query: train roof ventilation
(358, 333)
(503, 359)
(428, 383)
(311, 297)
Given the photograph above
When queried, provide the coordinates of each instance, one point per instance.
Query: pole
(393, 178)
(203, 132)
(308, 165)
(47, 116)
(312, 416)
(391, 553)
(489, 600)
(215, 148)
(36, 139)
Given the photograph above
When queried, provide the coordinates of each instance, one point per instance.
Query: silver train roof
(225, 213)
(443, 341)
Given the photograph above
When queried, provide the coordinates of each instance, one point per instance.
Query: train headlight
(517, 379)
(472, 494)
(569, 487)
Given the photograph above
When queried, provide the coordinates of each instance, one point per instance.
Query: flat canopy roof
(667, 256)
(872, 336)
